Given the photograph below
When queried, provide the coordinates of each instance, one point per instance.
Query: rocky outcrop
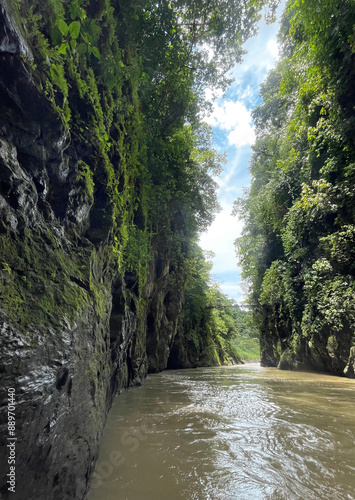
(165, 306)
(349, 370)
(323, 350)
(74, 332)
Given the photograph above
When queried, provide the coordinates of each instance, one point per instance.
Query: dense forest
(297, 249)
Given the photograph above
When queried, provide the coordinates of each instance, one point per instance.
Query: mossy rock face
(349, 370)
(73, 332)
(269, 356)
(165, 306)
(285, 345)
(91, 296)
(286, 361)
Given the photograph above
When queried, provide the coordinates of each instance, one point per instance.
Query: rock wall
(74, 332)
(328, 351)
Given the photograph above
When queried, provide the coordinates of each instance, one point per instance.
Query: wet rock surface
(323, 351)
(71, 337)
(349, 370)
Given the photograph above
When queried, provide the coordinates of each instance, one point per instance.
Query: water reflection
(243, 433)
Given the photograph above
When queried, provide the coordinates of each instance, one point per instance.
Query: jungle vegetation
(127, 78)
(297, 249)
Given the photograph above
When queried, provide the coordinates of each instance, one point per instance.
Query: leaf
(73, 11)
(82, 49)
(74, 29)
(54, 71)
(85, 38)
(88, 39)
(57, 75)
(63, 48)
(96, 53)
(94, 30)
(56, 35)
(76, 12)
(121, 63)
(63, 27)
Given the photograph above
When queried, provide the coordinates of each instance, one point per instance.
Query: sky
(233, 128)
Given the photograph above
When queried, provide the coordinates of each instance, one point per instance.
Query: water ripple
(232, 434)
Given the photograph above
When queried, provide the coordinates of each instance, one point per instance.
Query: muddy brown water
(242, 432)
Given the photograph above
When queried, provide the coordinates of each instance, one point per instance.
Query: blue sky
(234, 133)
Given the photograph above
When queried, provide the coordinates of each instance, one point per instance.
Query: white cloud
(211, 94)
(233, 117)
(234, 292)
(273, 49)
(234, 128)
(220, 239)
(243, 135)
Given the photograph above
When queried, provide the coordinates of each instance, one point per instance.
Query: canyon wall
(75, 330)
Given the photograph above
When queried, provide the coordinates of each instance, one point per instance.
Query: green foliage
(297, 246)
(85, 175)
(247, 348)
(178, 37)
(213, 324)
(128, 79)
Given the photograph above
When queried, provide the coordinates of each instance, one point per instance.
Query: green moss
(85, 175)
(211, 356)
(142, 179)
(40, 282)
(92, 83)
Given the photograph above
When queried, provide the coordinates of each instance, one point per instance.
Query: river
(242, 432)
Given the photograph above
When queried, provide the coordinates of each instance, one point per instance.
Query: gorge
(106, 180)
